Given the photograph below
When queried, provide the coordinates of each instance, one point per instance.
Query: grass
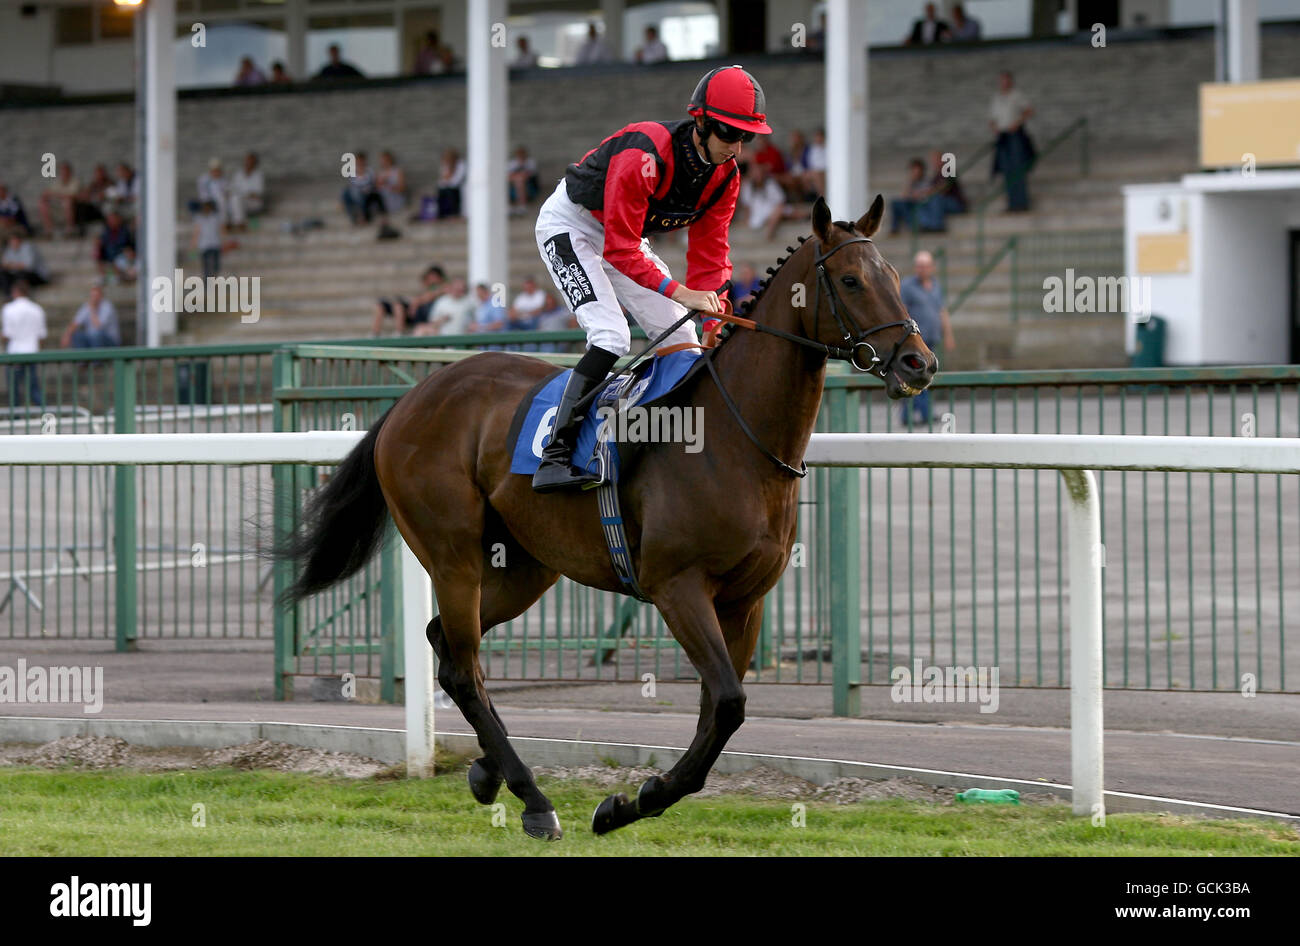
(123, 813)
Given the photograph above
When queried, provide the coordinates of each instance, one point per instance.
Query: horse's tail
(343, 524)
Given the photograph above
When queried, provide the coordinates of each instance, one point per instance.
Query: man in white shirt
(1014, 152)
(452, 313)
(652, 50)
(530, 303)
(593, 50)
(765, 200)
(213, 186)
(22, 322)
(246, 192)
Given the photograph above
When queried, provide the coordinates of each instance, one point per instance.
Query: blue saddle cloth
(531, 430)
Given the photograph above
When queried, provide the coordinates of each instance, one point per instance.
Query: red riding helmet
(732, 96)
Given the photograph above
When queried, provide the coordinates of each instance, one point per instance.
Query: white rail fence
(1074, 455)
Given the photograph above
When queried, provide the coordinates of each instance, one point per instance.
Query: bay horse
(710, 532)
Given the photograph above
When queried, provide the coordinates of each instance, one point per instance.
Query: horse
(710, 532)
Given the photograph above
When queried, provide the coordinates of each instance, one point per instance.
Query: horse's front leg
(689, 612)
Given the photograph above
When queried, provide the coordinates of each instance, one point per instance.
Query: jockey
(648, 177)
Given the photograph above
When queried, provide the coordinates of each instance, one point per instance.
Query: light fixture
(128, 3)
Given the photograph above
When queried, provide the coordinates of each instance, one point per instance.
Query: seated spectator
(126, 268)
(593, 50)
(112, 240)
(763, 197)
(415, 311)
(489, 315)
(946, 193)
(652, 50)
(22, 323)
(522, 174)
(247, 194)
(525, 58)
(769, 155)
(450, 180)
(13, 218)
(249, 74)
(279, 75)
(452, 314)
(744, 284)
(21, 260)
(965, 29)
(529, 304)
(95, 324)
(433, 58)
(360, 196)
(555, 317)
(390, 183)
(61, 198)
(121, 194)
(212, 186)
(94, 196)
(928, 30)
(336, 68)
(208, 228)
(814, 177)
(914, 193)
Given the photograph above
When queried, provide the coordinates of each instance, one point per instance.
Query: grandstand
(1139, 115)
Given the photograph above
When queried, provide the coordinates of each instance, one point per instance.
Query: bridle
(860, 353)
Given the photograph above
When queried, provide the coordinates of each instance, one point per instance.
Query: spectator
(529, 304)
(390, 183)
(593, 50)
(817, 38)
(923, 296)
(652, 50)
(450, 180)
(904, 209)
(21, 260)
(247, 192)
(554, 317)
(122, 193)
(61, 197)
(91, 203)
(950, 198)
(452, 313)
(126, 267)
(415, 311)
(336, 68)
(1014, 154)
(22, 322)
(13, 218)
(212, 186)
(95, 324)
(249, 74)
(965, 29)
(929, 30)
(433, 58)
(279, 75)
(814, 177)
(207, 238)
(489, 315)
(113, 239)
(525, 58)
(522, 174)
(744, 284)
(769, 155)
(360, 196)
(765, 200)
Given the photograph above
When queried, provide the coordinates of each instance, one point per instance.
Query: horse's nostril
(914, 362)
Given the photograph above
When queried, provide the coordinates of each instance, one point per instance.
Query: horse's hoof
(614, 812)
(542, 824)
(483, 784)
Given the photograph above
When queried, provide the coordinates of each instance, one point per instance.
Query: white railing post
(1086, 739)
(417, 611)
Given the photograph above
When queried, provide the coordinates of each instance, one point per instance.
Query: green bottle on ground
(991, 796)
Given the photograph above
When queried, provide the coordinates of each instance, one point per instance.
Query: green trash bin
(1150, 348)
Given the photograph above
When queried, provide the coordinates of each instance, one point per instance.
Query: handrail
(981, 206)
(1011, 246)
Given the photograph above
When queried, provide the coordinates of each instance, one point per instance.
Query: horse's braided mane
(750, 303)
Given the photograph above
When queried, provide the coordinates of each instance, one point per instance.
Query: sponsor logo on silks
(564, 263)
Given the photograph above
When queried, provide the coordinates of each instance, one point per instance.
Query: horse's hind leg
(455, 635)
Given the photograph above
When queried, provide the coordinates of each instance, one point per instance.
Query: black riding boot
(557, 470)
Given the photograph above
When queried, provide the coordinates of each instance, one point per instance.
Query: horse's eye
(850, 282)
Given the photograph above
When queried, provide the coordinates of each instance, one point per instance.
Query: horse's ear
(869, 223)
(821, 219)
